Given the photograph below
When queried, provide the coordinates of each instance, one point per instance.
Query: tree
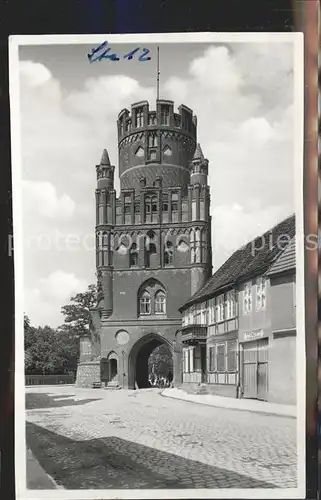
(49, 351)
(77, 314)
(29, 338)
(41, 354)
(56, 350)
(160, 361)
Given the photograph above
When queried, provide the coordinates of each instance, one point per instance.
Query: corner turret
(105, 172)
(199, 167)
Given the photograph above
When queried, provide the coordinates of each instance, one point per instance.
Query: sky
(242, 94)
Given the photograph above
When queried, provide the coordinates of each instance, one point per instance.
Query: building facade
(244, 322)
(153, 244)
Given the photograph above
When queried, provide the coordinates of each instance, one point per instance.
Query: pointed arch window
(167, 151)
(150, 248)
(133, 256)
(169, 253)
(160, 302)
(145, 303)
(149, 253)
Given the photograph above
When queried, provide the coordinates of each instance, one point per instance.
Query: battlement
(141, 118)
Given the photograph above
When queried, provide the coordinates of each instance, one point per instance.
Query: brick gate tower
(153, 244)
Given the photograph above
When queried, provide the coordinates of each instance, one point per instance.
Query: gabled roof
(250, 260)
(285, 262)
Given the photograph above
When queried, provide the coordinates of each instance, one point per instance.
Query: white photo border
(20, 438)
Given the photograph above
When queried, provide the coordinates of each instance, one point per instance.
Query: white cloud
(233, 227)
(61, 285)
(242, 96)
(41, 200)
(43, 303)
(106, 96)
(34, 74)
(256, 131)
(216, 71)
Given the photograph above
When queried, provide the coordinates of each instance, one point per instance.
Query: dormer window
(139, 115)
(165, 115)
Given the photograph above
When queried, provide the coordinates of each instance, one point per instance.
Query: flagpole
(158, 72)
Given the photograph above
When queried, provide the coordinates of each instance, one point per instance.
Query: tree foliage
(47, 351)
(77, 314)
(56, 350)
(160, 361)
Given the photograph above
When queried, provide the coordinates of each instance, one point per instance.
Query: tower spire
(198, 154)
(105, 158)
(158, 73)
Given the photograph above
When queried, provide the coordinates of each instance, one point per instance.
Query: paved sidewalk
(37, 478)
(231, 403)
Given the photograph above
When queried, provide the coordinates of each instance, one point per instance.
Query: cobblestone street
(141, 439)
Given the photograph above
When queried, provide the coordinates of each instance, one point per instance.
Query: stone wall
(88, 372)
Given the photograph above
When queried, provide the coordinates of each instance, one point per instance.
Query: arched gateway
(153, 242)
(138, 359)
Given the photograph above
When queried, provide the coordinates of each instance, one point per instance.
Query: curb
(271, 414)
(39, 471)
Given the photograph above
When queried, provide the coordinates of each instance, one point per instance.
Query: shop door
(255, 369)
(262, 369)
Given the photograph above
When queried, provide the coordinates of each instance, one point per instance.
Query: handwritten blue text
(103, 52)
